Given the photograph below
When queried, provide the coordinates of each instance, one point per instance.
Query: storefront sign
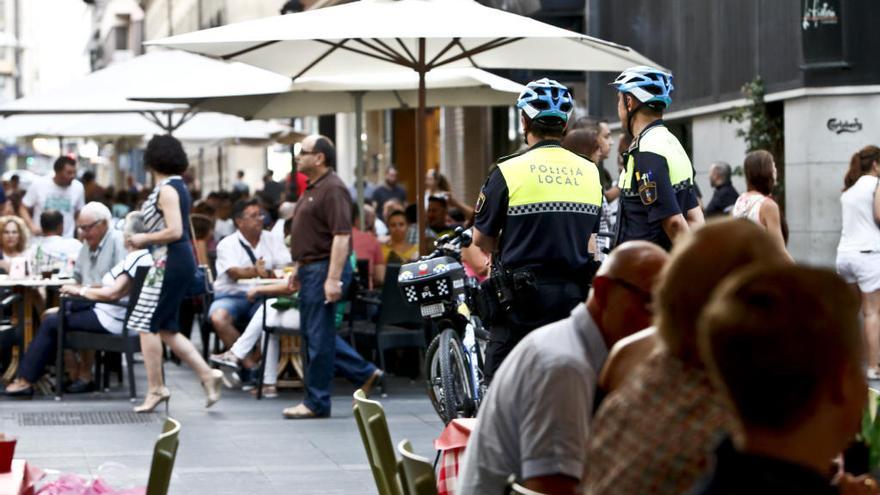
(839, 126)
(822, 33)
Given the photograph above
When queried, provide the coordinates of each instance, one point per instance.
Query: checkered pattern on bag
(553, 207)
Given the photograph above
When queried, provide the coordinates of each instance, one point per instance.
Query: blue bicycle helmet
(648, 85)
(546, 98)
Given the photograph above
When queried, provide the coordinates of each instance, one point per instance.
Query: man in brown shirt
(320, 245)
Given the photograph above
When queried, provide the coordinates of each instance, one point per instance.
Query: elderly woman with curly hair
(13, 239)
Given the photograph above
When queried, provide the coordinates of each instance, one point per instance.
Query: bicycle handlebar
(450, 244)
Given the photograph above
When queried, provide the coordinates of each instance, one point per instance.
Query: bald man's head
(699, 263)
(620, 301)
(316, 153)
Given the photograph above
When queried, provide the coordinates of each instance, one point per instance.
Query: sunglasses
(646, 296)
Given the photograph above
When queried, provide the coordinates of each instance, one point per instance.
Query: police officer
(658, 196)
(538, 212)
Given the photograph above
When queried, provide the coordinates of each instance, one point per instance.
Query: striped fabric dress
(173, 270)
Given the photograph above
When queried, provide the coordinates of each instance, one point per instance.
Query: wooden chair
(416, 472)
(127, 343)
(373, 427)
(164, 454)
(268, 331)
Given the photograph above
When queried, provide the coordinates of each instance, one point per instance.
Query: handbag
(203, 282)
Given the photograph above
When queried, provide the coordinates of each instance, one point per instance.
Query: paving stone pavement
(241, 445)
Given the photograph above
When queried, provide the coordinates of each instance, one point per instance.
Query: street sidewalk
(241, 445)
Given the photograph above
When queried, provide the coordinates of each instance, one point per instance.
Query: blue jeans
(237, 305)
(326, 349)
(79, 319)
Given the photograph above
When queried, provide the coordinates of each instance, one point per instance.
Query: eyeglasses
(307, 152)
(646, 296)
(86, 228)
(256, 216)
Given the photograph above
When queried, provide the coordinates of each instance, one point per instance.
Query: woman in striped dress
(155, 316)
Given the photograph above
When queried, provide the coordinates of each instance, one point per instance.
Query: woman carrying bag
(171, 278)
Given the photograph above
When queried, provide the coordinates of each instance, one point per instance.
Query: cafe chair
(373, 427)
(11, 329)
(268, 331)
(164, 454)
(416, 472)
(398, 323)
(127, 343)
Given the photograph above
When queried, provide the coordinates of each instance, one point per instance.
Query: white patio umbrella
(107, 90)
(372, 35)
(202, 127)
(355, 93)
(397, 88)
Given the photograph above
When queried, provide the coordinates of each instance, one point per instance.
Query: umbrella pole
(421, 150)
(358, 154)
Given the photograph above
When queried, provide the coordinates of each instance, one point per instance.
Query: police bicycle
(445, 295)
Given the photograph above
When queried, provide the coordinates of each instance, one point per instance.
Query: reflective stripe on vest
(660, 141)
(551, 180)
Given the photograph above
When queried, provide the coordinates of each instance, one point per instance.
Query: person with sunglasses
(537, 413)
(654, 433)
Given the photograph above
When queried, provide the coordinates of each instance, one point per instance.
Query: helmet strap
(630, 114)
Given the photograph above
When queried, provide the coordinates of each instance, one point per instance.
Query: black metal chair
(127, 343)
(11, 332)
(398, 323)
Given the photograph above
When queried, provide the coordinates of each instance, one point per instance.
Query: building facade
(816, 59)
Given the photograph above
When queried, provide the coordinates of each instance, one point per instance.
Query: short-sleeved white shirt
(56, 248)
(859, 229)
(232, 254)
(111, 316)
(44, 194)
(535, 419)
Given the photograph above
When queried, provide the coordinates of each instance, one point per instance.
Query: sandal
(269, 392)
(19, 388)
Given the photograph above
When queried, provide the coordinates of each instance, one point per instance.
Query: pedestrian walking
(725, 194)
(546, 201)
(756, 204)
(858, 253)
(172, 275)
(321, 246)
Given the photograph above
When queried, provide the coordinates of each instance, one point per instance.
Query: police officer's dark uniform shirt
(545, 204)
(657, 183)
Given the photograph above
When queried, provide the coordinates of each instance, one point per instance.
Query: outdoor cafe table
(262, 281)
(26, 288)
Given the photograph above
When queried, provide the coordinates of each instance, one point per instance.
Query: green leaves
(871, 428)
(763, 131)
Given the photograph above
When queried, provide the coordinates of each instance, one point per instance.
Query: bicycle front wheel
(457, 399)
